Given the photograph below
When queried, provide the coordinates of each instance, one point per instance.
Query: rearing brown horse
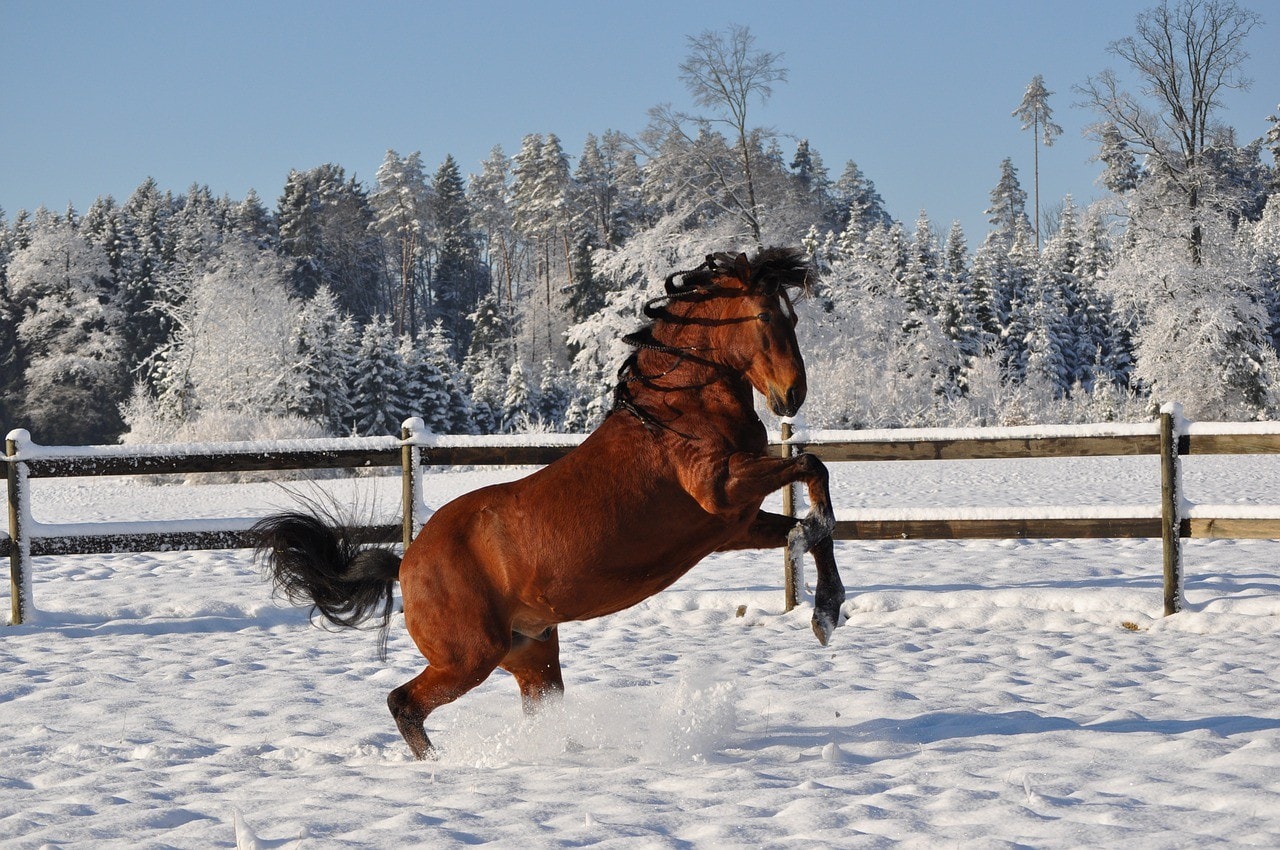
(678, 470)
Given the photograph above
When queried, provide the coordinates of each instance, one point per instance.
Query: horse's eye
(765, 317)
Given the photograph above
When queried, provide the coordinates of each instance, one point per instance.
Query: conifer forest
(495, 299)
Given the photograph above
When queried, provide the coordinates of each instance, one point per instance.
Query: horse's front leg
(762, 475)
(813, 535)
(775, 531)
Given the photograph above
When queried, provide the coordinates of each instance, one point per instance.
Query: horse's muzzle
(787, 404)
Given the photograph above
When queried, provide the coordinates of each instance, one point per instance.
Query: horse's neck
(691, 389)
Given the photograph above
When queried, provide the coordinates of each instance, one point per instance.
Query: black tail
(313, 558)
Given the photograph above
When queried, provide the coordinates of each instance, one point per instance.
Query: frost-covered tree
(146, 256)
(517, 401)
(1187, 55)
(871, 361)
(725, 73)
(489, 194)
(452, 413)
(231, 350)
(857, 203)
(326, 225)
(1261, 241)
(1200, 328)
(552, 399)
(957, 312)
(69, 336)
(811, 172)
(543, 220)
(251, 220)
(486, 364)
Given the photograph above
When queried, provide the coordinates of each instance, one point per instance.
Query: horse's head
(748, 315)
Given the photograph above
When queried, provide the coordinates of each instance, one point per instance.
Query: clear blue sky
(96, 96)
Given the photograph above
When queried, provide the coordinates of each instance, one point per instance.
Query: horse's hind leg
(439, 684)
(536, 667)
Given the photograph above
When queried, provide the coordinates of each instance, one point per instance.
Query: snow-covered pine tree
(378, 393)
(486, 364)
(1120, 167)
(251, 220)
(857, 203)
(489, 196)
(324, 344)
(327, 230)
(957, 313)
(400, 203)
(437, 352)
(540, 198)
(1007, 212)
(553, 396)
(424, 391)
(146, 256)
(517, 401)
(457, 279)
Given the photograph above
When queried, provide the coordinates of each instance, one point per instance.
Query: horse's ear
(742, 268)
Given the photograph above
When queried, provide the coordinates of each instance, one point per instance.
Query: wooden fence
(1166, 518)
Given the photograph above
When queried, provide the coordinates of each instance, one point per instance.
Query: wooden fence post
(1171, 506)
(20, 601)
(411, 479)
(791, 573)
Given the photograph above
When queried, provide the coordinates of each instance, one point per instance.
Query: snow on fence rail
(1171, 518)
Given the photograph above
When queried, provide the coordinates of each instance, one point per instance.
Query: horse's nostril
(795, 398)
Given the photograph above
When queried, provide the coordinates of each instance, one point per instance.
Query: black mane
(773, 271)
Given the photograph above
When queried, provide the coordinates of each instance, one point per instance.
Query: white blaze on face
(785, 305)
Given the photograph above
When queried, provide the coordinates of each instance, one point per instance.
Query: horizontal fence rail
(1169, 518)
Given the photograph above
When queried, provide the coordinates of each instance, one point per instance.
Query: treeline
(497, 304)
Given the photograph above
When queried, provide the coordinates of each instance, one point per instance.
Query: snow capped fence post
(20, 601)
(1171, 427)
(411, 470)
(790, 569)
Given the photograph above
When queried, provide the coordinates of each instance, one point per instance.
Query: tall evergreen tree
(1120, 167)
(453, 416)
(147, 256)
(327, 230)
(457, 279)
(401, 203)
(1036, 116)
(489, 195)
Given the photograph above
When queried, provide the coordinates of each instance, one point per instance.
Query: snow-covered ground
(981, 694)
